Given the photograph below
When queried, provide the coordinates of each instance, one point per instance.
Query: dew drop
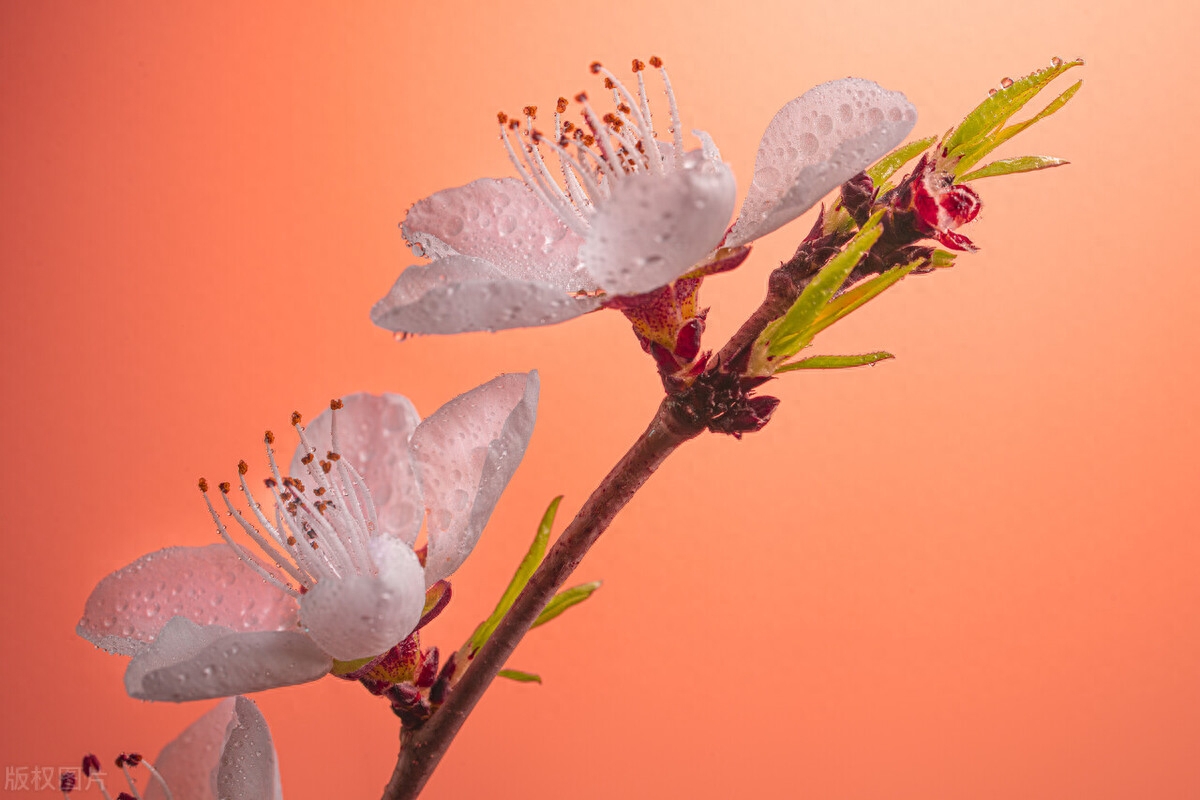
(1056, 62)
(1005, 83)
(454, 226)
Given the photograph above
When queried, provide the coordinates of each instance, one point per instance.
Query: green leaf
(857, 297)
(1009, 166)
(564, 600)
(999, 108)
(787, 335)
(887, 166)
(975, 154)
(836, 362)
(525, 570)
(518, 676)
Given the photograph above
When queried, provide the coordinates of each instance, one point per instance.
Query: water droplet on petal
(1005, 83)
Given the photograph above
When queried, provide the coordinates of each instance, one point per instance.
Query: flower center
(594, 156)
(319, 531)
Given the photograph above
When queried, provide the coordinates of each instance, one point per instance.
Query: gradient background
(970, 572)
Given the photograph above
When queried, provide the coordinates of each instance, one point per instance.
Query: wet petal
(500, 221)
(655, 228)
(205, 761)
(360, 616)
(373, 433)
(249, 769)
(466, 452)
(208, 585)
(459, 294)
(814, 144)
(193, 662)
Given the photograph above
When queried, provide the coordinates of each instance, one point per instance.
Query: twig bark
(423, 748)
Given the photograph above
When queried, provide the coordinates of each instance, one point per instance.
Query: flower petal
(249, 769)
(361, 616)
(194, 662)
(459, 294)
(204, 762)
(373, 434)
(208, 585)
(814, 144)
(466, 452)
(500, 221)
(655, 228)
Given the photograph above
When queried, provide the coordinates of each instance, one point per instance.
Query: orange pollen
(296, 419)
(514, 125)
(501, 117)
(624, 109)
(530, 111)
(320, 490)
(581, 97)
(326, 466)
(270, 483)
(203, 485)
(307, 459)
(291, 540)
(562, 105)
(336, 404)
(332, 456)
(638, 65)
(656, 62)
(224, 487)
(596, 67)
(299, 484)
(269, 437)
(242, 468)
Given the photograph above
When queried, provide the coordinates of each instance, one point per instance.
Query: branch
(422, 748)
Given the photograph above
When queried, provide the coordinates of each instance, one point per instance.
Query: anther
(326, 466)
(530, 111)
(320, 490)
(514, 125)
(307, 459)
(562, 103)
(269, 437)
(90, 764)
(203, 484)
(299, 484)
(332, 456)
(639, 65)
(335, 404)
(270, 483)
(596, 67)
(501, 117)
(224, 487)
(291, 540)
(608, 83)
(243, 468)
(67, 781)
(296, 419)
(656, 62)
(624, 108)
(581, 97)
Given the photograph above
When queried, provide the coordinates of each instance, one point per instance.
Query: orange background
(969, 572)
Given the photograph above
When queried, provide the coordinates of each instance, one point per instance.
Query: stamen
(676, 128)
(124, 763)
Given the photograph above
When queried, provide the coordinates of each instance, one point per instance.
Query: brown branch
(422, 748)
